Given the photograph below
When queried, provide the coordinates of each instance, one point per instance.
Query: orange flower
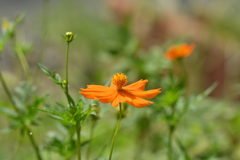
(179, 51)
(119, 93)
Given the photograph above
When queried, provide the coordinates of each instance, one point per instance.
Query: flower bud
(69, 36)
(96, 109)
(124, 110)
(7, 27)
(6, 24)
(64, 84)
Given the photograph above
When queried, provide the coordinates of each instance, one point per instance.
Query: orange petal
(170, 56)
(112, 85)
(120, 98)
(146, 94)
(103, 93)
(188, 49)
(128, 96)
(115, 102)
(95, 92)
(87, 95)
(140, 103)
(139, 85)
(108, 99)
(96, 88)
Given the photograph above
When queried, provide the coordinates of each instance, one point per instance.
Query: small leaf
(9, 112)
(9, 128)
(85, 142)
(206, 92)
(44, 69)
(183, 149)
(60, 105)
(58, 78)
(80, 103)
(57, 117)
(71, 100)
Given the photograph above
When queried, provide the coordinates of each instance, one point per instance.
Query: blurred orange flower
(119, 93)
(179, 51)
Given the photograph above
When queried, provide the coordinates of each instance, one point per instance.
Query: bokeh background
(131, 37)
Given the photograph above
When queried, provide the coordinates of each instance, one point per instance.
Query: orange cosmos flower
(119, 93)
(179, 51)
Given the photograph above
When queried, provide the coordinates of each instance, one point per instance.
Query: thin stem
(29, 133)
(78, 125)
(66, 88)
(104, 147)
(78, 129)
(67, 63)
(171, 127)
(23, 61)
(170, 144)
(44, 38)
(45, 20)
(7, 92)
(20, 117)
(183, 75)
(116, 131)
(91, 137)
(18, 148)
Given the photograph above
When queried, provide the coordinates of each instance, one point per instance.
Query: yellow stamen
(68, 33)
(119, 80)
(6, 24)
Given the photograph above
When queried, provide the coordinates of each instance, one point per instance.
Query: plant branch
(116, 131)
(20, 117)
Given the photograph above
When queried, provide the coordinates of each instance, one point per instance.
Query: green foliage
(64, 113)
(71, 116)
(54, 76)
(183, 150)
(27, 104)
(79, 115)
(174, 99)
(59, 141)
(7, 34)
(202, 128)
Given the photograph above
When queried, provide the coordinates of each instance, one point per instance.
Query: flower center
(6, 24)
(119, 80)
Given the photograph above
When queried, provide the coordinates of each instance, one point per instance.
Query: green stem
(67, 64)
(183, 70)
(91, 137)
(66, 88)
(78, 130)
(170, 144)
(23, 62)
(104, 147)
(18, 148)
(171, 127)
(29, 133)
(116, 131)
(45, 14)
(7, 92)
(78, 125)
(43, 40)
(20, 117)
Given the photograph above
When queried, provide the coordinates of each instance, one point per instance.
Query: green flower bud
(6, 24)
(96, 109)
(69, 36)
(64, 84)
(124, 110)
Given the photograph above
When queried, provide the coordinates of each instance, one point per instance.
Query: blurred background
(131, 37)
